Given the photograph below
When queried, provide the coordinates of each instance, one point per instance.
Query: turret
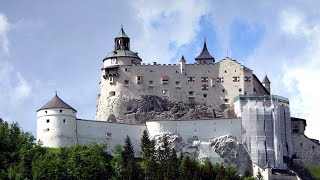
(266, 83)
(182, 63)
(204, 57)
(121, 55)
(56, 124)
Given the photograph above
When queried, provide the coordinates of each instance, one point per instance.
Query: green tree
(117, 163)
(131, 169)
(172, 172)
(207, 170)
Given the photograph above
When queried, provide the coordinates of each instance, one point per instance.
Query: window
(220, 79)
(204, 95)
(225, 71)
(139, 78)
(191, 94)
(64, 121)
(178, 84)
(111, 79)
(46, 112)
(204, 79)
(128, 69)
(226, 100)
(236, 79)
(133, 61)
(108, 135)
(247, 79)
(112, 93)
(165, 80)
(223, 90)
(204, 87)
(190, 79)
(126, 83)
(48, 120)
(46, 130)
(151, 84)
(61, 111)
(164, 92)
(240, 89)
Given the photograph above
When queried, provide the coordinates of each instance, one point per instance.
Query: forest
(21, 157)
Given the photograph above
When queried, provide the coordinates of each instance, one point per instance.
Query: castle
(206, 100)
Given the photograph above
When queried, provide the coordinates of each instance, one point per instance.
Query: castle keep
(194, 104)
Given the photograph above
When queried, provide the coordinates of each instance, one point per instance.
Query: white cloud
(4, 28)
(166, 26)
(301, 79)
(13, 87)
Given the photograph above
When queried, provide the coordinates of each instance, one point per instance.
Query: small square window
(61, 111)
(164, 92)
(204, 79)
(127, 69)
(46, 112)
(126, 83)
(151, 83)
(204, 95)
(64, 121)
(204, 87)
(191, 94)
(226, 100)
(178, 84)
(48, 120)
(190, 79)
(108, 134)
(225, 71)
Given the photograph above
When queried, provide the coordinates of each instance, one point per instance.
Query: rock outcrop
(138, 110)
(224, 149)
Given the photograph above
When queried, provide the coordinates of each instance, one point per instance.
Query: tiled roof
(56, 102)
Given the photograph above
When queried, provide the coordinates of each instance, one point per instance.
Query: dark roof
(182, 59)
(205, 53)
(261, 85)
(122, 53)
(122, 34)
(266, 79)
(299, 119)
(56, 102)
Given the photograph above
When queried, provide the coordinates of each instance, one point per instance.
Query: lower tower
(56, 124)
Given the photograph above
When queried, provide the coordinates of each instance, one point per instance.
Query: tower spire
(204, 57)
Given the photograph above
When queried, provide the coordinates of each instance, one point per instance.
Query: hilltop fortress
(208, 109)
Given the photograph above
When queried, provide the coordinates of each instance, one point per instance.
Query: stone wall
(305, 149)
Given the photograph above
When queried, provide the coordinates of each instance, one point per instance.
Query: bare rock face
(224, 149)
(138, 110)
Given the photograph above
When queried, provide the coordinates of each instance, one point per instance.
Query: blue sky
(48, 46)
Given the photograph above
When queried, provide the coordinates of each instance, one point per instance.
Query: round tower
(56, 124)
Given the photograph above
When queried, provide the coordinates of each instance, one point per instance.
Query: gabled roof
(266, 79)
(205, 55)
(56, 102)
(122, 34)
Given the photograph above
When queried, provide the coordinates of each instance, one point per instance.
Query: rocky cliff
(138, 110)
(223, 149)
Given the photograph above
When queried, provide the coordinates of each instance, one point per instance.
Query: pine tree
(173, 162)
(131, 170)
(145, 144)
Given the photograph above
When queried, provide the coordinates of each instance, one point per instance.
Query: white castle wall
(56, 127)
(203, 129)
(110, 133)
